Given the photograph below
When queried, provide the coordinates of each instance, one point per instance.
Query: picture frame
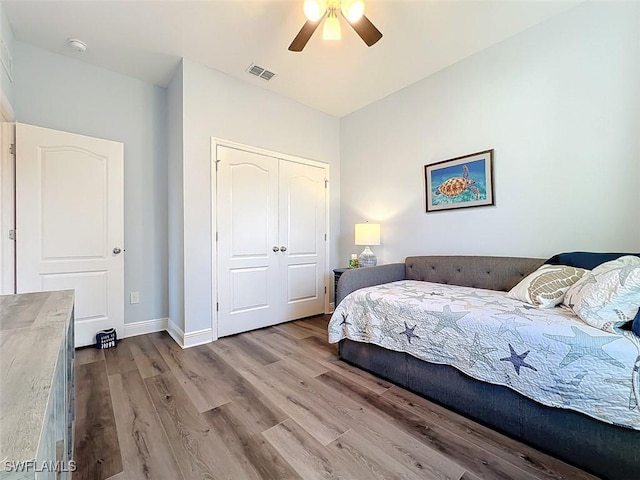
(460, 182)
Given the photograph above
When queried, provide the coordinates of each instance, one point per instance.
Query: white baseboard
(199, 337)
(176, 333)
(185, 340)
(144, 327)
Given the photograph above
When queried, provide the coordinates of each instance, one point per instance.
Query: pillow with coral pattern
(609, 295)
(547, 286)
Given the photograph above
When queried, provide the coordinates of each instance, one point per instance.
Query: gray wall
(217, 105)
(58, 92)
(176, 200)
(559, 103)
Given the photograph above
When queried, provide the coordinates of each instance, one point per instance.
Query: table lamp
(367, 234)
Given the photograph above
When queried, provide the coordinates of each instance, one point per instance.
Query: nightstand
(336, 276)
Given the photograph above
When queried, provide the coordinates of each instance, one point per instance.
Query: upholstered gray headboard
(493, 273)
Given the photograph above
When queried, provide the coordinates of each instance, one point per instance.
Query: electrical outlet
(135, 297)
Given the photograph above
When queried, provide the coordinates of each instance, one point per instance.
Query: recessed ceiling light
(76, 45)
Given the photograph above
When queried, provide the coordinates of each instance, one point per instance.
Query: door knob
(283, 249)
(116, 251)
(275, 249)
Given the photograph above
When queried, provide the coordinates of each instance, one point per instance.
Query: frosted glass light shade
(367, 234)
(314, 9)
(353, 10)
(331, 28)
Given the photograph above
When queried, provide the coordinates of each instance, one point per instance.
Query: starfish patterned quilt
(548, 355)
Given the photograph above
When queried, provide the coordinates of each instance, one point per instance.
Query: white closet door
(271, 224)
(69, 223)
(247, 219)
(302, 234)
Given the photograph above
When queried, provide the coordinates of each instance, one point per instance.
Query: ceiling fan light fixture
(331, 28)
(314, 9)
(353, 10)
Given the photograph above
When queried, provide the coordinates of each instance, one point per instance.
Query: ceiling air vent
(260, 72)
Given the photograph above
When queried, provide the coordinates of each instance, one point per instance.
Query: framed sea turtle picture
(460, 182)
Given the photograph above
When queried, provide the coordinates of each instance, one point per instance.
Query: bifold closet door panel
(302, 234)
(247, 231)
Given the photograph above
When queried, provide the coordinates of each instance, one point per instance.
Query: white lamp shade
(353, 10)
(314, 9)
(367, 234)
(331, 29)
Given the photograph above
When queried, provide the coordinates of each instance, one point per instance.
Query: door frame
(215, 142)
(7, 198)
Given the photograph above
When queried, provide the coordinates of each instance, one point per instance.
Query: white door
(248, 249)
(302, 237)
(69, 223)
(271, 226)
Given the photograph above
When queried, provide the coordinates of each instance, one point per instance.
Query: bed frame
(608, 451)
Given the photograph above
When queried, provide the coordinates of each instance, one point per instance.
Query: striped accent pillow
(546, 287)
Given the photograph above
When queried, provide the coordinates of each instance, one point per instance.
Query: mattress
(550, 356)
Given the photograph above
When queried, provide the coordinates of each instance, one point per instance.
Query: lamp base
(367, 258)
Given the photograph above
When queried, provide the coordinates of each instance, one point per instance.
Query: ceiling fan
(318, 10)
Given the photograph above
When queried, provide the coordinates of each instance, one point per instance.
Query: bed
(548, 379)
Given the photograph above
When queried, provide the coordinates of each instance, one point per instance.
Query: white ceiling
(146, 39)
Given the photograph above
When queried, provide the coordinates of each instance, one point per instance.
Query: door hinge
(12, 234)
(216, 236)
(326, 183)
(325, 289)
(217, 306)
(325, 237)
(12, 149)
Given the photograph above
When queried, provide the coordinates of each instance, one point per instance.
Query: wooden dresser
(36, 385)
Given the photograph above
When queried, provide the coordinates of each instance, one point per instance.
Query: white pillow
(609, 295)
(546, 287)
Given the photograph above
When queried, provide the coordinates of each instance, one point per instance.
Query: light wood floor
(275, 404)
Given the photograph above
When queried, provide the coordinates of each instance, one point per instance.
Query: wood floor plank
(193, 375)
(324, 424)
(89, 355)
(469, 476)
(146, 453)
(240, 359)
(317, 364)
(282, 346)
(120, 359)
(96, 447)
(199, 452)
(402, 447)
(373, 383)
(260, 412)
(313, 327)
(321, 347)
(468, 455)
(147, 357)
(354, 450)
(253, 349)
(309, 458)
(248, 448)
(293, 330)
(524, 457)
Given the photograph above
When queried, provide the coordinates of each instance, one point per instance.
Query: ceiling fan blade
(304, 35)
(367, 30)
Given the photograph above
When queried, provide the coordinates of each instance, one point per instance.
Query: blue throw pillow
(588, 260)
